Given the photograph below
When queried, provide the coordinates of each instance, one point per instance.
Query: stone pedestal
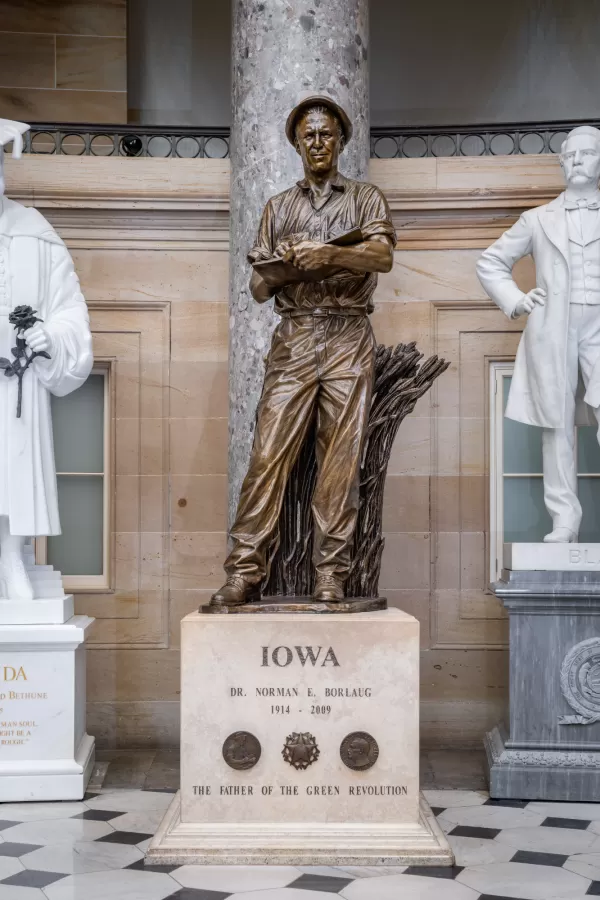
(300, 743)
(551, 749)
(45, 753)
(46, 611)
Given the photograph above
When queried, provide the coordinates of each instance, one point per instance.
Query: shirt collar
(592, 202)
(338, 183)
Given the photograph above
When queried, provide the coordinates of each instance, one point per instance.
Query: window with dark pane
(78, 425)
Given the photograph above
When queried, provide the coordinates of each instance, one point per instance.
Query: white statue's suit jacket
(42, 276)
(538, 389)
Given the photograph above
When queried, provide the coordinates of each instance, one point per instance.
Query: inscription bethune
(16, 731)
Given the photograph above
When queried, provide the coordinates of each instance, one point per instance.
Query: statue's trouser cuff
(323, 365)
(558, 444)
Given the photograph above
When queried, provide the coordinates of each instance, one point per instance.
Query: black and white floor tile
(94, 850)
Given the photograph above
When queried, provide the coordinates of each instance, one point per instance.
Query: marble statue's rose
(23, 317)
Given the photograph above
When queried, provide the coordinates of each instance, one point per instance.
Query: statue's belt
(324, 311)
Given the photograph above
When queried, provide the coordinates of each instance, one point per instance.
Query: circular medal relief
(359, 751)
(241, 750)
(580, 678)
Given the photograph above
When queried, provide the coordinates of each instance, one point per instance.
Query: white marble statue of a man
(36, 270)
(561, 340)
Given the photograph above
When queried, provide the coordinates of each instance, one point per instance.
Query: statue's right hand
(283, 247)
(528, 302)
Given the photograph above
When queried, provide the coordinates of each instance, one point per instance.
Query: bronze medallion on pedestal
(241, 750)
(300, 750)
(359, 751)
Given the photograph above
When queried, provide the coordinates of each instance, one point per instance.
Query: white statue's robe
(36, 270)
(539, 383)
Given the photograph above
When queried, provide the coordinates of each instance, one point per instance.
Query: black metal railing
(470, 140)
(127, 140)
(213, 143)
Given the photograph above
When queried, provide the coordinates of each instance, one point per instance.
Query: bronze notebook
(276, 270)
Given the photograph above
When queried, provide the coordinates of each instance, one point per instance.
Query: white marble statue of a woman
(36, 270)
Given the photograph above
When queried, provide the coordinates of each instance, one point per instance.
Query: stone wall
(150, 242)
(431, 63)
(63, 60)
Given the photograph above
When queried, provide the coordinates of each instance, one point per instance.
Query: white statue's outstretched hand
(38, 338)
(536, 297)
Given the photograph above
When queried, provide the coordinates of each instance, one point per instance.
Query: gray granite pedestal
(551, 750)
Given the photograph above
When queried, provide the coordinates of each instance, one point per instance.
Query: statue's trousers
(323, 362)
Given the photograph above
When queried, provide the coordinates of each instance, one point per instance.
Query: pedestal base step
(299, 844)
(552, 557)
(537, 774)
(298, 605)
(49, 611)
(56, 779)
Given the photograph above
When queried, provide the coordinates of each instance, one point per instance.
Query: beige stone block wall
(63, 60)
(150, 243)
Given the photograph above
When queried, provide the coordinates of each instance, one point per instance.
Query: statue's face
(319, 141)
(581, 161)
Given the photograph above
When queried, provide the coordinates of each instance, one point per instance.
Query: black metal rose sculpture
(23, 318)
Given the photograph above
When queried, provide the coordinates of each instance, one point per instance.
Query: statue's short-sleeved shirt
(292, 214)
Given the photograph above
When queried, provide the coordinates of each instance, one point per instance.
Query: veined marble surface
(95, 849)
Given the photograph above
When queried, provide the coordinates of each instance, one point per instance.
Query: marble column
(282, 49)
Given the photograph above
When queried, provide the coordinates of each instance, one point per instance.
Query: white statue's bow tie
(592, 203)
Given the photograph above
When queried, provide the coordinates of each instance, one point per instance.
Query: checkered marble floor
(94, 850)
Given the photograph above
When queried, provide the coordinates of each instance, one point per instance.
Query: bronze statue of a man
(322, 353)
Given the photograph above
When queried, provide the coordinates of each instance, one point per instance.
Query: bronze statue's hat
(317, 100)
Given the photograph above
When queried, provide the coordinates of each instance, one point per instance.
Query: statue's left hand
(38, 339)
(310, 255)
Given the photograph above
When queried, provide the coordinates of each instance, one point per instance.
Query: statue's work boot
(235, 592)
(328, 589)
(561, 535)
